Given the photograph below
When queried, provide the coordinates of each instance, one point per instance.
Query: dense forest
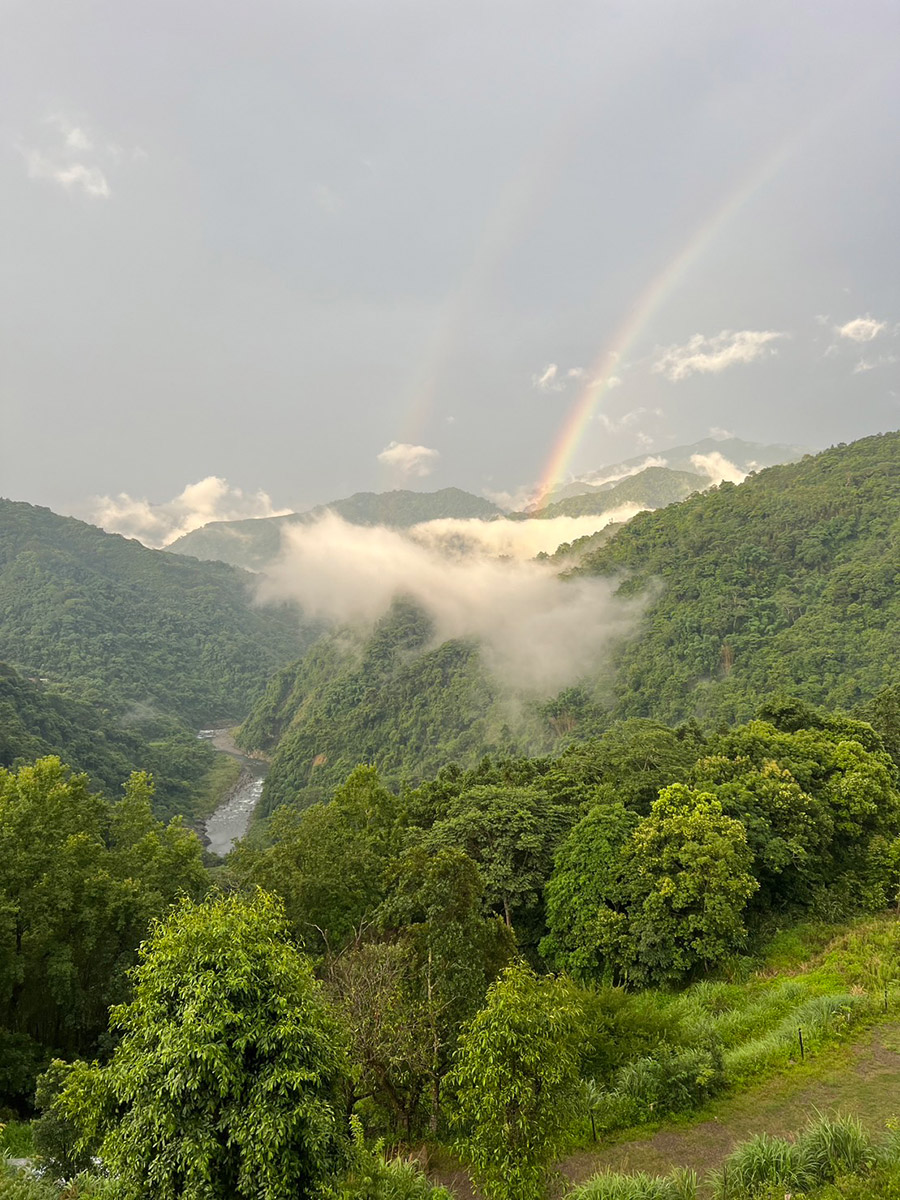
(787, 582)
(652, 488)
(106, 619)
(498, 943)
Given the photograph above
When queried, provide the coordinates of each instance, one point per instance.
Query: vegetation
(652, 488)
(784, 583)
(133, 630)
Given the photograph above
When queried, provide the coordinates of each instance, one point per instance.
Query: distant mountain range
(648, 482)
(253, 543)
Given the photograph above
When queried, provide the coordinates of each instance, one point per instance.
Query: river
(230, 820)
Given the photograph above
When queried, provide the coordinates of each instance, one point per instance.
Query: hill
(393, 699)
(103, 618)
(786, 582)
(654, 487)
(35, 722)
(252, 544)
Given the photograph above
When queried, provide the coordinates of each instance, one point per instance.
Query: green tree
(517, 1082)
(688, 883)
(588, 881)
(328, 862)
(228, 1074)
(80, 880)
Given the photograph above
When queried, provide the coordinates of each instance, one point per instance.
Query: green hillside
(654, 487)
(395, 700)
(35, 722)
(787, 582)
(104, 618)
(253, 544)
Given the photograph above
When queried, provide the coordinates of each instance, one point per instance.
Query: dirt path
(861, 1080)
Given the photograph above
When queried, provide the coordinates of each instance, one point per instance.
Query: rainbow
(625, 337)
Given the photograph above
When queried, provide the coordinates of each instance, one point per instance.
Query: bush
(372, 1176)
(680, 1185)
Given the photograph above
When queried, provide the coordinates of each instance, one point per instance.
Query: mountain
(136, 630)
(787, 582)
(654, 487)
(252, 544)
(35, 722)
(392, 698)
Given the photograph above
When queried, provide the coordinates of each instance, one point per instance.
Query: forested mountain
(102, 617)
(786, 582)
(654, 487)
(391, 699)
(253, 544)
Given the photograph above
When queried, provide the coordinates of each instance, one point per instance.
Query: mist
(538, 633)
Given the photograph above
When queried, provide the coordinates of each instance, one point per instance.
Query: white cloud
(327, 199)
(576, 373)
(91, 180)
(614, 476)
(548, 381)
(156, 525)
(62, 157)
(617, 424)
(703, 355)
(411, 460)
(552, 632)
(869, 364)
(720, 434)
(717, 467)
(861, 329)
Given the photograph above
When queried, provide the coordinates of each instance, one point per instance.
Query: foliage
(80, 880)
(328, 862)
(393, 701)
(140, 630)
(654, 487)
(373, 1176)
(680, 1185)
(783, 583)
(516, 1082)
(228, 1074)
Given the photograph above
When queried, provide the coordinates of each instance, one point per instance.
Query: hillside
(391, 700)
(252, 544)
(104, 618)
(654, 487)
(787, 582)
(35, 722)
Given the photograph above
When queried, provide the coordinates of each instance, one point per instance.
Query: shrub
(680, 1185)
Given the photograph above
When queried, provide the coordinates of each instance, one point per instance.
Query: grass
(16, 1140)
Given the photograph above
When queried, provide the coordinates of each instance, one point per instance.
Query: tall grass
(819, 1017)
(680, 1185)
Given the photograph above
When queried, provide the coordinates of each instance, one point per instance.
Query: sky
(305, 249)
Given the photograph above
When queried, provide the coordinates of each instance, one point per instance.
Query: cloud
(703, 355)
(156, 525)
(720, 434)
(548, 381)
(90, 180)
(861, 329)
(617, 424)
(537, 632)
(869, 364)
(617, 473)
(717, 467)
(61, 158)
(409, 459)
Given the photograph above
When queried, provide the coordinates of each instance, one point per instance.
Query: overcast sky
(314, 248)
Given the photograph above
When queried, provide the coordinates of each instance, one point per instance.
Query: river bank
(230, 820)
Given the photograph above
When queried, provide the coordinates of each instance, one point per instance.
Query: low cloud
(861, 329)
(537, 632)
(410, 460)
(613, 476)
(157, 525)
(702, 355)
(717, 467)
